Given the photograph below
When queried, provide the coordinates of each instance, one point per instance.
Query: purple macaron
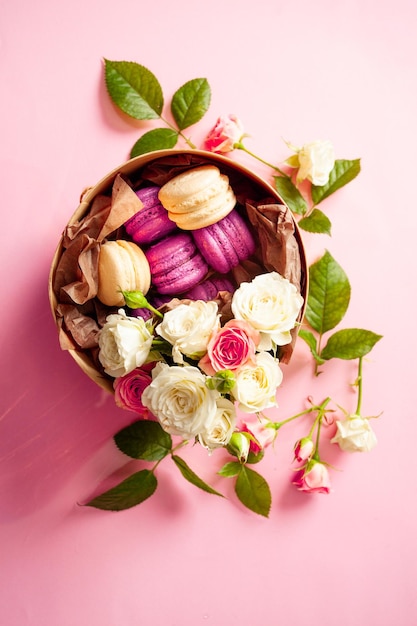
(175, 263)
(145, 313)
(151, 223)
(159, 299)
(209, 288)
(226, 243)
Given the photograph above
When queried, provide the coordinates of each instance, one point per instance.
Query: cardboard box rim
(127, 168)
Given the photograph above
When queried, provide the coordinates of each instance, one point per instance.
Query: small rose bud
(261, 430)
(314, 478)
(222, 381)
(136, 300)
(239, 445)
(303, 449)
(227, 131)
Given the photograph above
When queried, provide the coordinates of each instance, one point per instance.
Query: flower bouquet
(180, 285)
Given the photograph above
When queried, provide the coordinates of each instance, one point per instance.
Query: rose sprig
(313, 175)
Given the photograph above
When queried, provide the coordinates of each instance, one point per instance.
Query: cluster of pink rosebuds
(313, 476)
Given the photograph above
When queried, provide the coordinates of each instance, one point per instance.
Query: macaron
(144, 313)
(151, 222)
(122, 266)
(197, 197)
(175, 263)
(209, 288)
(226, 243)
(159, 299)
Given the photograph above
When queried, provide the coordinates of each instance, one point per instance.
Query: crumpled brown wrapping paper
(76, 276)
(79, 313)
(279, 250)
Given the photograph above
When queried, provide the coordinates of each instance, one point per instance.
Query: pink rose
(314, 478)
(128, 390)
(303, 449)
(231, 347)
(227, 131)
(258, 427)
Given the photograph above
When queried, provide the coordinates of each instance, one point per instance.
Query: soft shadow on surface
(166, 492)
(292, 499)
(169, 500)
(52, 416)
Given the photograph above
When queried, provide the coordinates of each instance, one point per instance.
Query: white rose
(271, 304)
(355, 434)
(124, 344)
(316, 161)
(179, 398)
(222, 428)
(188, 328)
(255, 387)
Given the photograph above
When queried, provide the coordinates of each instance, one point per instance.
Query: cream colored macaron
(197, 197)
(122, 266)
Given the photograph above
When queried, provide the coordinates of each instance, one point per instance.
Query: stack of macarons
(187, 230)
(175, 263)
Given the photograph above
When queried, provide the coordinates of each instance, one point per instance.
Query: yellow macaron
(122, 266)
(197, 197)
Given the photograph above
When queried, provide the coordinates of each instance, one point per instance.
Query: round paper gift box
(101, 215)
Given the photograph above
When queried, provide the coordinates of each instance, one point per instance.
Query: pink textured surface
(295, 70)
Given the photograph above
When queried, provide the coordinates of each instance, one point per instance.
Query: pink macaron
(175, 263)
(226, 243)
(209, 288)
(151, 223)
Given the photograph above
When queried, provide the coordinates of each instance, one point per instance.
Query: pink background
(298, 71)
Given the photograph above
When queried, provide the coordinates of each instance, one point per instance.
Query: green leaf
(316, 222)
(311, 341)
(329, 294)
(253, 491)
(189, 475)
(156, 139)
(144, 440)
(191, 102)
(230, 469)
(290, 194)
(134, 89)
(350, 343)
(342, 173)
(129, 493)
